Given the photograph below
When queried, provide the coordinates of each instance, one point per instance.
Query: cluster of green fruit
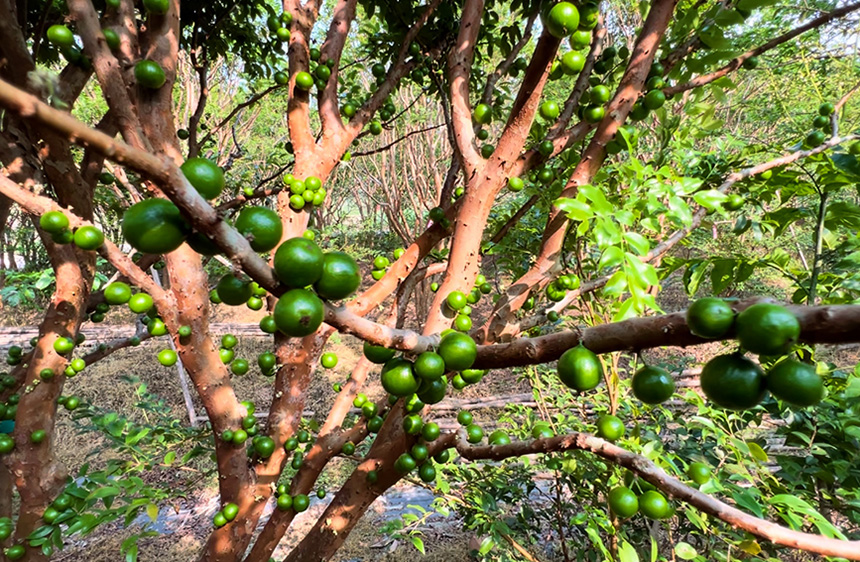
(56, 224)
(425, 377)
(14, 355)
(16, 551)
(653, 98)
(299, 502)
(734, 381)
(307, 192)
(381, 263)
(311, 275)
(418, 455)
(731, 381)
(625, 503)
(822, 125)
(262, 445)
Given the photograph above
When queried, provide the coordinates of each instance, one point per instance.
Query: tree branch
(653, 474)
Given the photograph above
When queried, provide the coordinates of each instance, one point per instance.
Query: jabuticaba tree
(490, 66)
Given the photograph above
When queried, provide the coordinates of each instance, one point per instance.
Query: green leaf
(638, 242)
(685, 551)
(746, 500)
(599, 204)
(417, 543)
(611, 257)
(757, 452)
(722, 275)
(575, 209)
(710, 199)
(655, 549)
(626, 553)
(106, 492)
(170, 457)
(152, 512)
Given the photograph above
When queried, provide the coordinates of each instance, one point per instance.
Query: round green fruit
(652, 385)
(340, 276)
(61, 36)
(610, 427)
(205, 176)
(795, 382)
(232, 290)
(458, 351)
(710, 318)
(623, 502)
(734, 382)
(654, 505)
(378, 354)
(562, 20)
(54, 222)
(261, 226)
(89, 238)
(767, 329)
(299, 313)
(699, 473)
(580, 369)
(154, 226)
(149, 74)
(398, 378)
(299, 262)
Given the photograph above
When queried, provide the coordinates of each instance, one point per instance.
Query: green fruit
(61, 36)
(117, 293)
(38, 436)
(652, 385)
(230, 511)
(458, 351)
(285, 502)
(54, 222)
(167, 357)
(63, 345)
(456, 300)
(815, 138)
(340, 276)
(594, 113)
(623, 502)
(328, 360)
(482, 114)
(299, 313)
(348, 448)
(89, 238)
(610, 427)
(429, 366)
(419, 452)
(397, 378)
(699, 473)
(140, 303)
(304, 81)
(205, 176)
(240, 436)
(427, 473)
(378, 354)
(464, 417)
(750, 63)
(654, 505)
(239, 367)
(264, 447)
(710, 318)
(487, 150)
(654, 99)
(261, 226)
(580, 369)
(599, 94)
(732, 381)
(474, 433)
(299, 262)
(219, 520)
(430, 431)
(579, 40)
(374, 424)
(498, 438)
(154, 226)
(550, 110)
(405, 463)
(432, 391)
(795, 382)
(562, 20)
(767, 329)
(15, 552)
(233, 290)
(149, 74)
(157, 7)
(826, 109)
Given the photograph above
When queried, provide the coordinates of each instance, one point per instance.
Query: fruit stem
(819, 243)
